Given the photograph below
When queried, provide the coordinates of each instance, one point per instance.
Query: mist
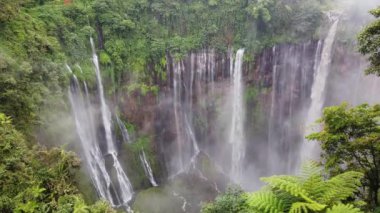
(171, 129)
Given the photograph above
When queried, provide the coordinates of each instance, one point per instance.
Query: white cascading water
(231, 61)
(85, 129)
(183, 199)
(144, 162)
(310, 150)
(123, 130)
(189, 81)
(125, 187)
(237, 138)
(177, 104)
(271, 138)
(184, 128)
(147, 169)
(106, 114)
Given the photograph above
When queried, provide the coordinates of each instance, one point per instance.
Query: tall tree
(369, 43)
(350, 142)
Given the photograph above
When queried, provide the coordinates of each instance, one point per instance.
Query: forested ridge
(39, 39)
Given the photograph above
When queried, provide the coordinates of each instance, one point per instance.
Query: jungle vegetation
(37, 37)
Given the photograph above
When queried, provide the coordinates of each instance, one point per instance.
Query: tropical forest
(189, 106)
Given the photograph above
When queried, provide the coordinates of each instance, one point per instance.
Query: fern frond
(310, 169)
(341, 187)
(288, 184)
(343, 208)
(287, 199)
(302, 207)
(266, 202)
(311, 176)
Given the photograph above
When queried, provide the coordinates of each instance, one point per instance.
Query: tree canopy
(36, 179)
(350, 142)
(369, 43)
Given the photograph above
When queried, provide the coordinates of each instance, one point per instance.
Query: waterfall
(310, 149)
(144, 162)
(123, 130)
(192, 77)
(237, 139)
(125, 187)
(288, 70)
(106, 114)
(183, 199)
(147, 169)
(271, 135)
(86, 132)
(184, 128)
(118, 190)
(177, 104)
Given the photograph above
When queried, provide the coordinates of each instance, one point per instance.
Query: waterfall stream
(237, 139)
(118, 191)
(123, 130)
(216, 117)
(147, 169)
(87, 135)
(125, 187)
(188, 79)
(310, 150)
(86, 132)
(144, 162)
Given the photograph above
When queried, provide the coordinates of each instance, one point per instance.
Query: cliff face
(192, 112)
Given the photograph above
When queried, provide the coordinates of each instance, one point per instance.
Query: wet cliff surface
(192, 114)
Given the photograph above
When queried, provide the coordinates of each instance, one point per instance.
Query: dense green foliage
(133, 38)
(232, 201)
(369, 43)
(29, 75)
(308, 192)
(350, 141)
(34, 179)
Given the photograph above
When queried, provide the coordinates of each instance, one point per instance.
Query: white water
(310, 149)
(106, 114)
(86, 132)
(144, 162)
(183, 200)
(271, 138)
(147, 169)
(123, 130)
(237, 138)
(177, 104)
(231, 57)
(125, 187)
(195, 78)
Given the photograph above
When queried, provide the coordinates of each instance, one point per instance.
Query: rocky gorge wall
(200, 99)
(189, 120)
